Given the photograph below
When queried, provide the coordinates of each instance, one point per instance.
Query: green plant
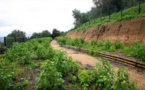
(106, 45)
(49, 77)
(123, 82)
(118, 44)
(93, 42)
(138, 51)
(104, 76)
(5, 80)
(84, 77)
(112, 48)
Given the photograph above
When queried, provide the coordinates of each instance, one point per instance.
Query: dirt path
(136, 75)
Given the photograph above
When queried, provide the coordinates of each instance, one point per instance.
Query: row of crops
(137, 50)
(55, 70)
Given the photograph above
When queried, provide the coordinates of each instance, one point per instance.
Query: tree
(105, 7)
(35, 35)
(80, 18)
(55, 33)
(17, 34)
(44, 33)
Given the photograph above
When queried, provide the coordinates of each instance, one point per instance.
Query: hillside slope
(127, 31)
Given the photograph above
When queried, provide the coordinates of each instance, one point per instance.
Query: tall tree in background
(80, 18)
(104, 7)
(17, 34)
(44, 33)
(55, 33)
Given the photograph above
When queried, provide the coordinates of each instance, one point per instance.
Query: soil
(126, 31)
(137, 75)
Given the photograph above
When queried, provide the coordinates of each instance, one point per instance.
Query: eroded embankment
(127, 31)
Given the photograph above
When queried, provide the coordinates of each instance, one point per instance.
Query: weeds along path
(136, 75)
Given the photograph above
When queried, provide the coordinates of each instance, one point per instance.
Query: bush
(138, 51)
(93, 42)
(5, 80)
(118, 44)
(49, 77)
(106, 45)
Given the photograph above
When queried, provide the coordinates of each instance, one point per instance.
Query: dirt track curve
(136, 75)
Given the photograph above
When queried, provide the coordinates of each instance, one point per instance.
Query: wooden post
(139, 8)
(23, 39)
(15, 39)
(5, 42)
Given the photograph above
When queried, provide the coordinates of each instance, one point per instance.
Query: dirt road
(136, 75)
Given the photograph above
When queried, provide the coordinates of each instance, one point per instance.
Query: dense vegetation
(17, 61)
(82, 22)
(55, 70)
(46, 33)
(137, 50)
(20, 36)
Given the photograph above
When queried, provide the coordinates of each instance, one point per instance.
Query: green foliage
(80, 18)
(93, 42)
(116, 16)
(44, 33)
(78, 42)
(102, 77)
(118, 44)
(19, 52)
(17, 59)
(49, 77)
(107, 44)
(17, 33)
(5, 80)
(123, 81)
(57, 70)
(127, 50)
(56, 33)
(99, 44)
(138, 51)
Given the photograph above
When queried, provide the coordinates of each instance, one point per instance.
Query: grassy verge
(137, 50)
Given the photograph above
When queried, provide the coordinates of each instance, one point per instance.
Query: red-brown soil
(127, 31)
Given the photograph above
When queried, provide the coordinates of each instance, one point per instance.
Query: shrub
(138, 51)
(106, 45)
(49, 77)
(118, 44)
(93, 42)
(84, 77)
(5, 80)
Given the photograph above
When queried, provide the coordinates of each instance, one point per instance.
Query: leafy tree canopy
(44, 33)
(80, 18)
(17, 33)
